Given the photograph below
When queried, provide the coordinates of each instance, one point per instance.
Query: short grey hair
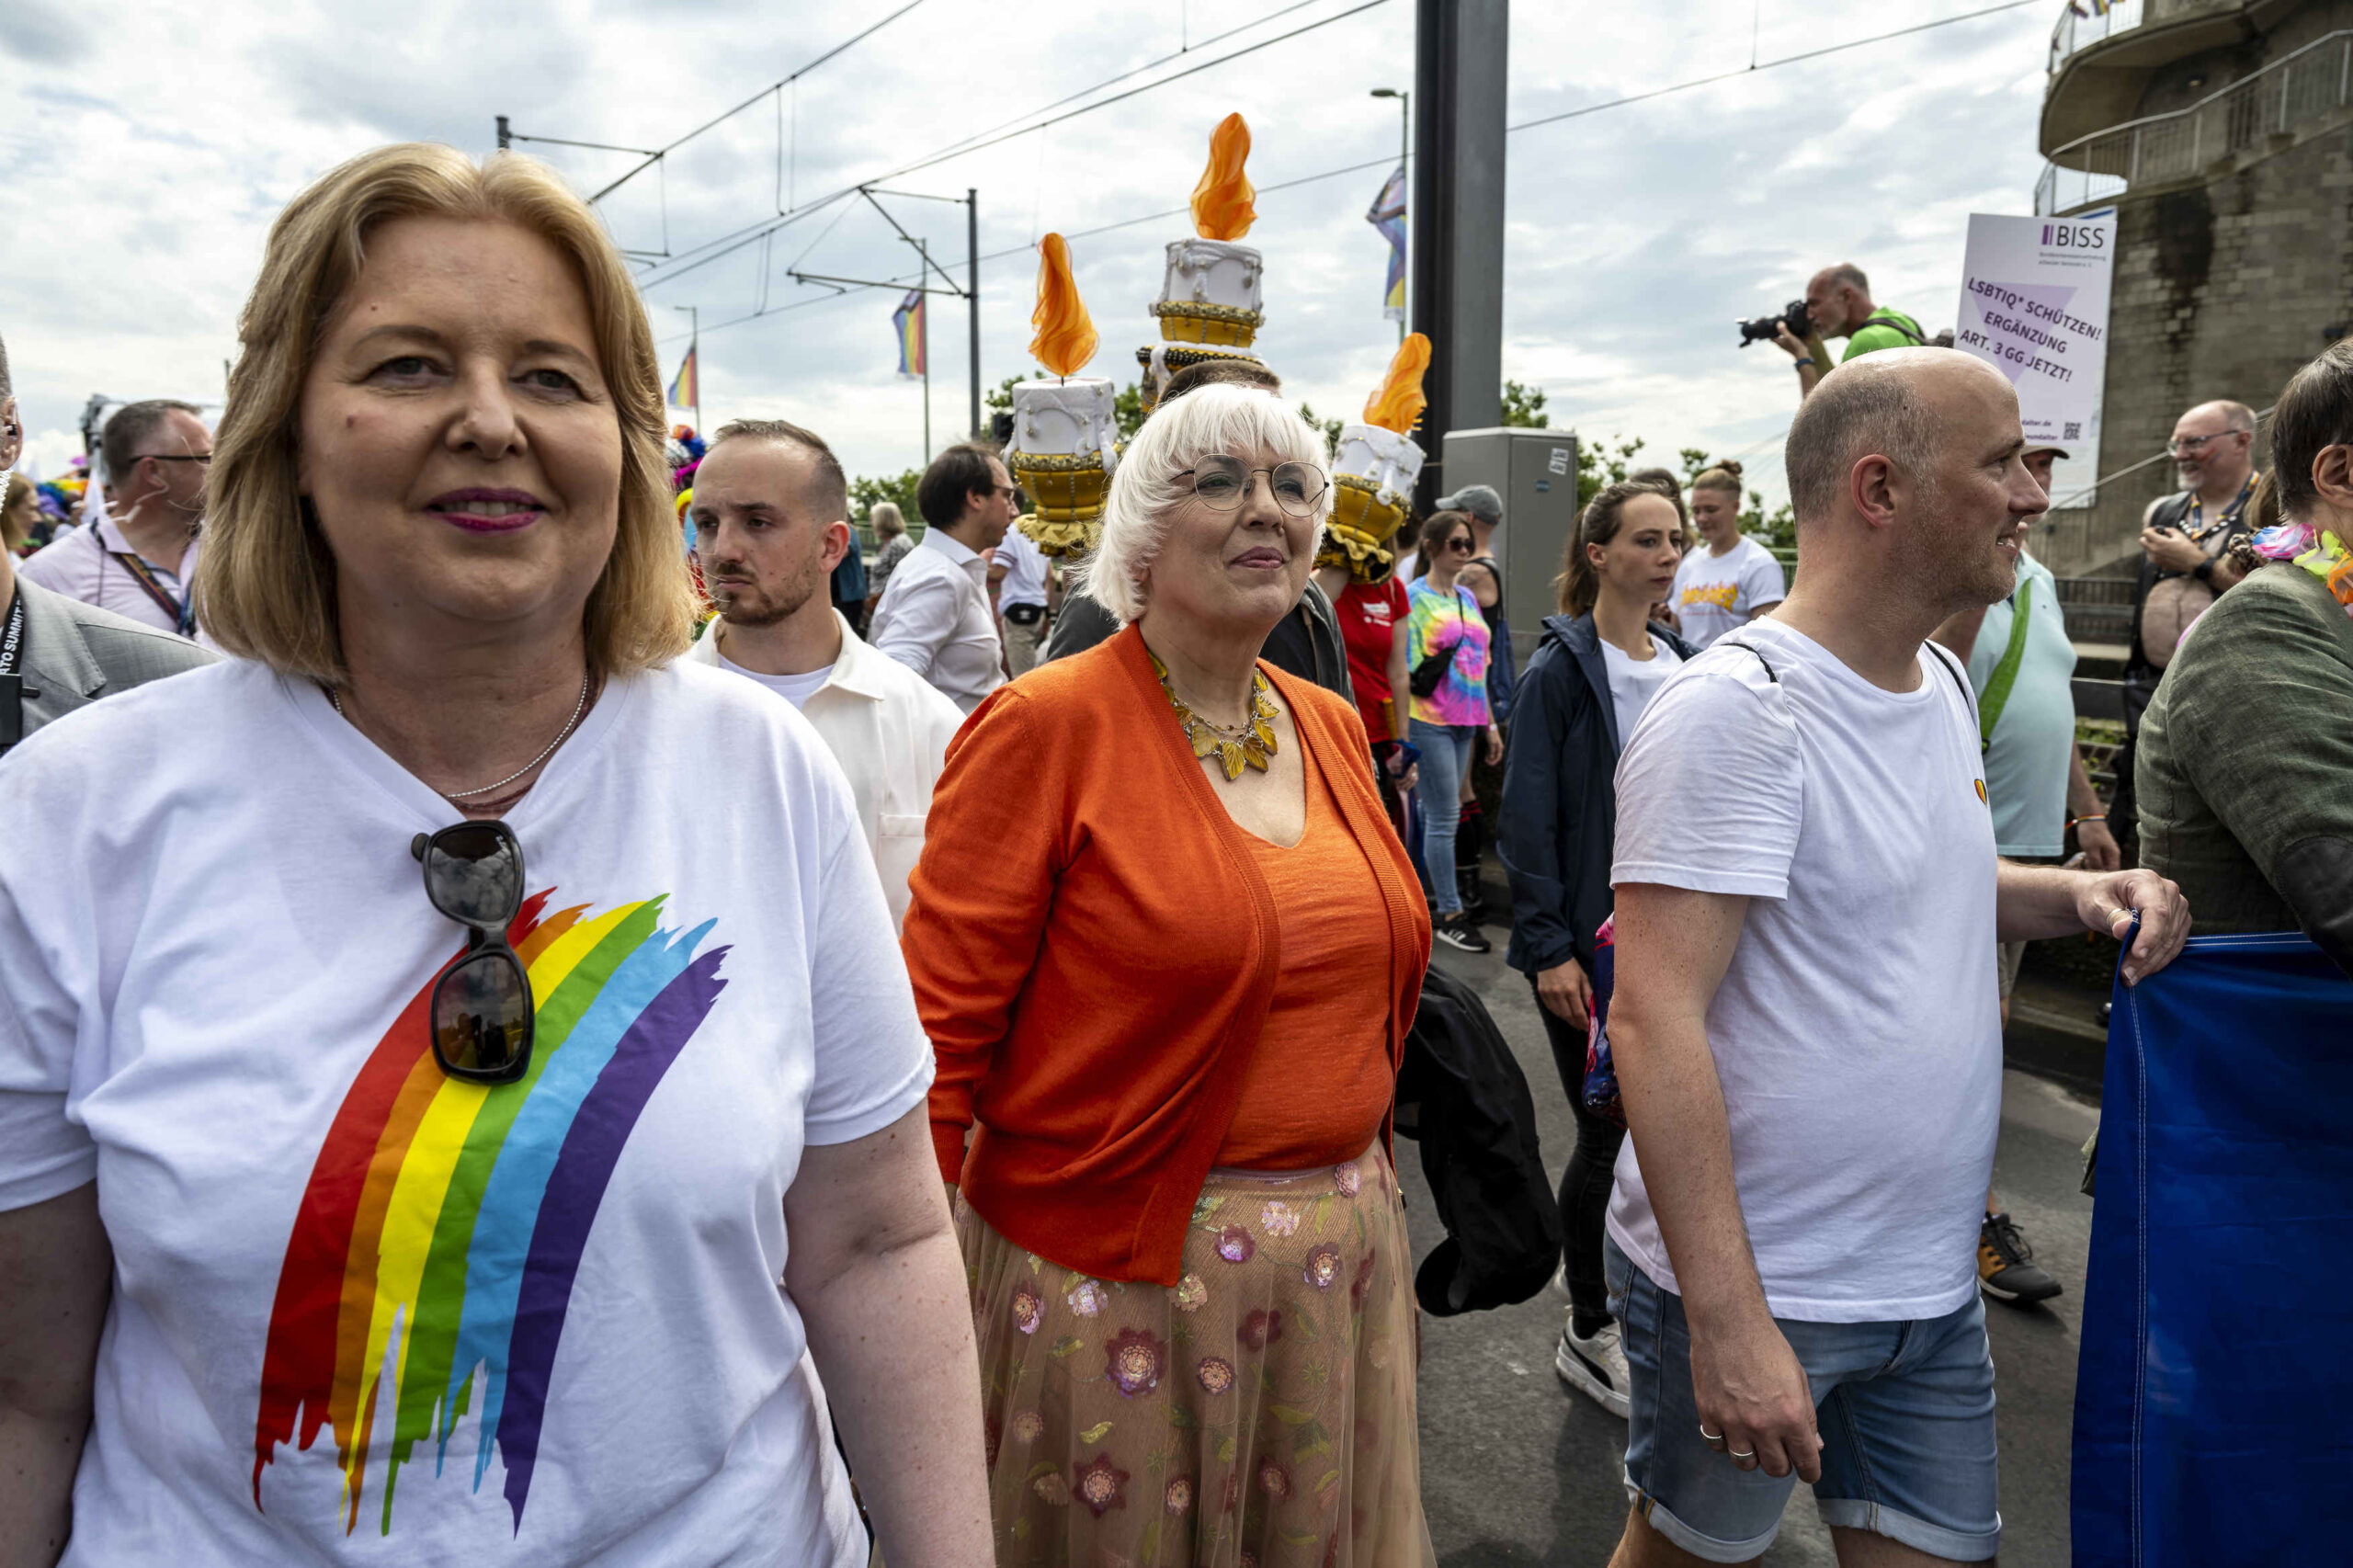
(885, 519)
(123, 442)
(1869, 407)
(2236, 415)
(1147, 487)
(1847, 272)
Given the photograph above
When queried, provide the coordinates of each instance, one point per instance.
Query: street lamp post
(1404, 152)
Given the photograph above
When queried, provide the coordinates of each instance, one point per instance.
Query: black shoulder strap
(1771, 673)
(1883, 319)
(1953, 668)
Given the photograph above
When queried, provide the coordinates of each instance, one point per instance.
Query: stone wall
(2220, 290)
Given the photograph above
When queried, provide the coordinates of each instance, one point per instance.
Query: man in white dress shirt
(934, 617)
(770, 516)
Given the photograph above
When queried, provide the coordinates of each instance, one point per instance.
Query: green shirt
(1876, 334)
(2245, 760)
(2034, 740)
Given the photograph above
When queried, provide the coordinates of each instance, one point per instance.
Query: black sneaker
(1461, 931)
(2006, 1266)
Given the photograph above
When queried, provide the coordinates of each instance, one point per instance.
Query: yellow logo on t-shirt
(1719, 594)
(1980, 796)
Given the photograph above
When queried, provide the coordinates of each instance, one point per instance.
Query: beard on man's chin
(743, 604)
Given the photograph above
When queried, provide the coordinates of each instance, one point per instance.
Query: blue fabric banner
(2214, 1391)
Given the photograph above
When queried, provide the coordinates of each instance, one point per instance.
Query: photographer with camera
(1837, 304)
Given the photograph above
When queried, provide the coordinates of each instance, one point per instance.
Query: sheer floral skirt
(1260, 1413)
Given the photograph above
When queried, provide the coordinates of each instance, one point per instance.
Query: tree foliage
(1524, 407)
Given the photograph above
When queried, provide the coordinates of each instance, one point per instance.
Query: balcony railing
(2084, 23)
(2316, 80)
(2081, 25)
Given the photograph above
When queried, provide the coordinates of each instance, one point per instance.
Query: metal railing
(2080, 26)
(2315, 80)
(2085, 22)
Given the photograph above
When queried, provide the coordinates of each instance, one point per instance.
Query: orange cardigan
(1093, 948)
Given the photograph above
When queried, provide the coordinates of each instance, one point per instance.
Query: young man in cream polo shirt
(770, 517)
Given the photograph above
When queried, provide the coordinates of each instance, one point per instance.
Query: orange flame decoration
(1399, 403)
(1221, 202)
(1066, 337)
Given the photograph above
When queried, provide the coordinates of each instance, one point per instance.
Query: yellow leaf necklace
(1246, 744)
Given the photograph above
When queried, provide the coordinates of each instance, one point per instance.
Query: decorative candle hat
(1063, 449)
(1375, 471)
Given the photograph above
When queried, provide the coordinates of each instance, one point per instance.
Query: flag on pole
(686, 388)
(1388, 215)
(907, 322)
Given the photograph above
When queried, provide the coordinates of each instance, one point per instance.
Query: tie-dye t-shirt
(365, 1312)
(1436, 620)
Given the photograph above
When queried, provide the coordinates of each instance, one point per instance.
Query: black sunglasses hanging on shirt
(483, 1013)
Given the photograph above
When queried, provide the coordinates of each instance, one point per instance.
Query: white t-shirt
(1633, 684)
(1713, 593)
(1856, 1032)
(550, 1309)
(795, 689)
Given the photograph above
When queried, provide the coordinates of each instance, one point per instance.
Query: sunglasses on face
(1460, 544)
(483, 1012)
(1221, 483)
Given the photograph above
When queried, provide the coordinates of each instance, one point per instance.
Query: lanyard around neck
(12, 640)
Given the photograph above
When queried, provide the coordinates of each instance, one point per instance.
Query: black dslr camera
(1764, 328)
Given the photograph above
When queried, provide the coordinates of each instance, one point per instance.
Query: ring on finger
(1739, 1455)
(1710, 1439)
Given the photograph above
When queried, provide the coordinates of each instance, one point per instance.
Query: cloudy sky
(149, 145)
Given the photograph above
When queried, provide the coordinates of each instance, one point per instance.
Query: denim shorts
(1907, 1416)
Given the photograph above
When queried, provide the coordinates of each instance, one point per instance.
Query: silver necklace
(577, 709)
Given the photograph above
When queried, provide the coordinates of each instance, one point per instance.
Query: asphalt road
(1518, 1470)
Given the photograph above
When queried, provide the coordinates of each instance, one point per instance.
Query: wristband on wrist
(1802, 364)
(2088, 817)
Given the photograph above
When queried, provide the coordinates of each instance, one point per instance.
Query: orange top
(1319, 1082)
(1095, 952)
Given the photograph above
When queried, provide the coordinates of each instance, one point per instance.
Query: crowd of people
(974, 1072)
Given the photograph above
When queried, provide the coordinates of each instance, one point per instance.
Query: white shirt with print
(1713, 593)
(548, 1311)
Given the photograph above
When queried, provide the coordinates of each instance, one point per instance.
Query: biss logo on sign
(2073, 236)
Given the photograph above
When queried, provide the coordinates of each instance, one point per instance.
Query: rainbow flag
(686, 388)
(1388, 215)
(444, 1221)
(907, 321)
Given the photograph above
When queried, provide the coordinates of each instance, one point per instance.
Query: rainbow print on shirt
(444, 1221)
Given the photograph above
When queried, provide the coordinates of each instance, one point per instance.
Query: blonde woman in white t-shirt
(1732, 579)
(451, 1037)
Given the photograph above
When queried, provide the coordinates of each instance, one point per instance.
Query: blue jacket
(1559, 822)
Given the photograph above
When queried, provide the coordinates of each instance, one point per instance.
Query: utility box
(1536, 473)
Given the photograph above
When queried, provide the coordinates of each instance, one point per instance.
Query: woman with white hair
(1168, 998)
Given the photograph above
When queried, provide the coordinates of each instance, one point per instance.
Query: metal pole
(925, 345)
(506, 137)
(972, 294)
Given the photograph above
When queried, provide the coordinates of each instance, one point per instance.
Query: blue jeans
(1446, 756)
(1907, 1416)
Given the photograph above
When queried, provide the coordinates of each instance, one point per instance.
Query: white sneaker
(1594, 1367)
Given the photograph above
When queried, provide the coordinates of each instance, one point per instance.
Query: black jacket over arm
(1560, 804)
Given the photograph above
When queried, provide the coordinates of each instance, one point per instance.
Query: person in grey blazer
(70, 654)
(62, 654)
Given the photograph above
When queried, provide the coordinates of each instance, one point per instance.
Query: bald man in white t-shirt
(1803, 1020)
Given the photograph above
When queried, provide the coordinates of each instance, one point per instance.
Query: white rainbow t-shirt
(365, 1312)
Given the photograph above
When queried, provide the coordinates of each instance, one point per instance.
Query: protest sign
(2034, 305)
